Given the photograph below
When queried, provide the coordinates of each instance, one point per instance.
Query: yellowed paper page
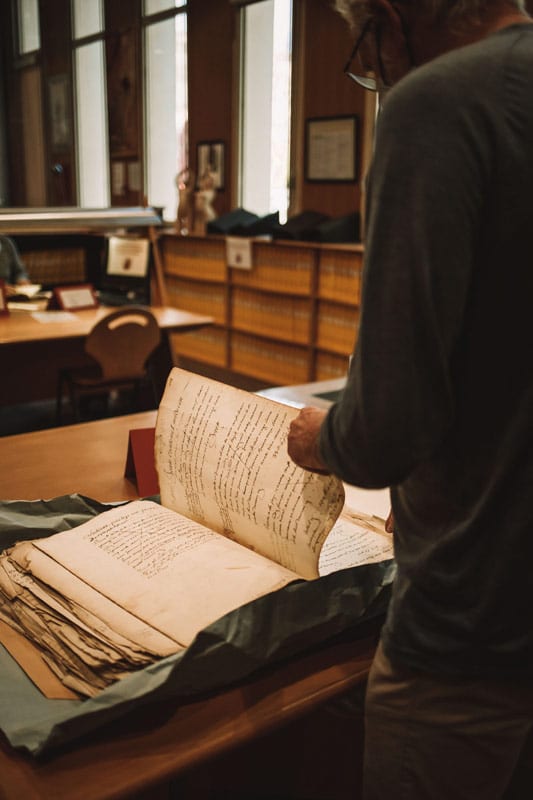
(355, 540)
(169, 572)
(51, 572)
(221, 456)
(95, 637)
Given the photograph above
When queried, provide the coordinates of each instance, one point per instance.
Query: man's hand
(303, 439)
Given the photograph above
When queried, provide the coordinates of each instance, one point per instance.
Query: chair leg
(137, 394)
(59, 398)
(74, 402)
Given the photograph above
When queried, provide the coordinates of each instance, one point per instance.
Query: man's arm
(426, 192)
(18, 271)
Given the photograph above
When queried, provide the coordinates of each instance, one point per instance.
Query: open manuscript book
(237, 520)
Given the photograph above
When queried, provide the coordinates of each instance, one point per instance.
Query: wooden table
(264, 735)
(33, 351)
(319, 393)
(88, 459)
(147, 751)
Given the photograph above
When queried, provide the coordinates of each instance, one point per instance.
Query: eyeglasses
(372, 83)
(378, 82)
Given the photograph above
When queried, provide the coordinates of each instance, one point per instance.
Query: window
(91, 108)
(29, 38)
(166, 112)
(29, 87)
(91, 124)
(154, 6)
(86, 18)
(266, 54)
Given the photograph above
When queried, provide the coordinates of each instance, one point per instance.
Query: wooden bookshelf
(292, 318)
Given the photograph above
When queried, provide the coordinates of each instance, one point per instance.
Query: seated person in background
(12, 270)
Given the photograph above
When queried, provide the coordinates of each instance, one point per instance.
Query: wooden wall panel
(123, 59)
(325, 43)
(56, 60)
(124, 94)
(14, 168)
(211, 34)
(32, 134)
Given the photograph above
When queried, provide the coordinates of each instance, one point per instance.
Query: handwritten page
(170, 573)
(354, 541)
(221, 456)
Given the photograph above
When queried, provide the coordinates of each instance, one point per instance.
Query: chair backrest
(122, 341)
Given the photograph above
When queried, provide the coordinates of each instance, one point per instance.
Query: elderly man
(438, 403)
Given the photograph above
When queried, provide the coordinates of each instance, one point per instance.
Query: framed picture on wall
(210, 159)
(331, 146)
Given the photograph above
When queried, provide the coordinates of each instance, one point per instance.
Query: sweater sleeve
(426, 195)
(17, 271)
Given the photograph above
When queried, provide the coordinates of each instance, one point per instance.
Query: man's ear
(396, 56)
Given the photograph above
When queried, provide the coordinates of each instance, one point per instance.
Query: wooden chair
(120, 345)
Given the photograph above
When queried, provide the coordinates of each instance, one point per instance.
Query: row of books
(272, 315)
(269, 361)
(208, 345)
(292, 274)
(328, 366)
(202, 298)
(337, 327)
(52, 267)
(339, 277)
(274, 267)
(276, 316)
(195, 258)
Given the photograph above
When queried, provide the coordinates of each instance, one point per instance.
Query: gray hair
(354, 11)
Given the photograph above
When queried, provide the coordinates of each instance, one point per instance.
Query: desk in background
(320, 393)
(32, 352)
(271, 734)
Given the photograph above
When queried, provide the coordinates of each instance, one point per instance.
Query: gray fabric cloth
(439, 399)
(12, 269)
(304, 615)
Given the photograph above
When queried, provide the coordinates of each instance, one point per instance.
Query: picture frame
(75, 297)
(331, 149)
(210, 155)
(128, 256)
(4, 310)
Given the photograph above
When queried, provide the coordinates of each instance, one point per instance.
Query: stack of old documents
(237, 520)
(88, 642)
